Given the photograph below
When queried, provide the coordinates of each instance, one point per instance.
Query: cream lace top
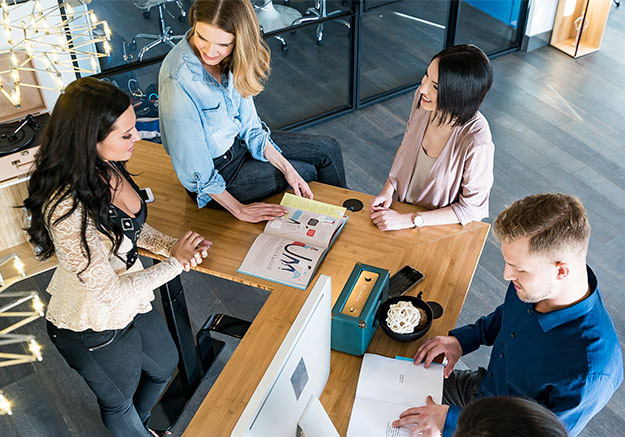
(107, 295)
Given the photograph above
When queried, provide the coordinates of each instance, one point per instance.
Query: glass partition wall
(329, 57)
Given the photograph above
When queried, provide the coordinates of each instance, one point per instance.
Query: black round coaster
(353, 205)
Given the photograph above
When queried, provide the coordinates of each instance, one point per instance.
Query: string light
(35, 349)
(14, 309)
(53, 31)
(17, 262)
(38, 305)
(5, 405)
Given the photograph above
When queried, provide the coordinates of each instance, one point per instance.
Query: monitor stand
(315, 422)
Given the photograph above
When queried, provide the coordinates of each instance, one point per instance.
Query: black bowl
(418, 332)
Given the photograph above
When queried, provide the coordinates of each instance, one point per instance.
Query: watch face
(418, 221)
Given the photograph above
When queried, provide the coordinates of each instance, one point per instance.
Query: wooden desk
(448, 256)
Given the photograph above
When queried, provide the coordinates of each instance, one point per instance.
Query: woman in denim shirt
(222, 152)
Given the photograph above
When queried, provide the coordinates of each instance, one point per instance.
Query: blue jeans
(127, 369)
(315, 157)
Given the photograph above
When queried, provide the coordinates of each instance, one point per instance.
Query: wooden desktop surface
(447, 255)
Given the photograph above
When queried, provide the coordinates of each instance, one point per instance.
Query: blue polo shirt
(569, 360)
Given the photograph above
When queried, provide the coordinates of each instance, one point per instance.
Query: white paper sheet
(386, 388)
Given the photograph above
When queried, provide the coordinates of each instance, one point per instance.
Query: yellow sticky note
(315, 206)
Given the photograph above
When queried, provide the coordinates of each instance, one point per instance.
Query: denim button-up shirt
(569, 360)
(200, 118)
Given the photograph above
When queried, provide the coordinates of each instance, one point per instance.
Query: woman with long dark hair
(223, 154)
(445, 160)
(87, 210)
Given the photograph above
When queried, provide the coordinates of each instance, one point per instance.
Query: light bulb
(92, 17)
(94, 64)
(107, 48)
(17, 262)
(5, 405)
(15, 97)
(38, 305)
(35, 349)
(59, 81)
(107, 30)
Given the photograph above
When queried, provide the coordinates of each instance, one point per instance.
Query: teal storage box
(354, 313)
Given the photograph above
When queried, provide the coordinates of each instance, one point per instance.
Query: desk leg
(191, 365)
(177, 317)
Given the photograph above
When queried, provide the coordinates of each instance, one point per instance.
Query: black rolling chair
(166, 36)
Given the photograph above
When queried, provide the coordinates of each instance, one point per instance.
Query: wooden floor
(558, 125)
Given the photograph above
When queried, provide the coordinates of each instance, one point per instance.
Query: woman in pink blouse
(445, 160)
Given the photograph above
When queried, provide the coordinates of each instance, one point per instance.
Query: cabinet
(579, 25)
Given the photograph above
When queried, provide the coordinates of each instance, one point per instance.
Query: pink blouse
(461, 176)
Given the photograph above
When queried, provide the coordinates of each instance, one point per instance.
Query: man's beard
(542, 295)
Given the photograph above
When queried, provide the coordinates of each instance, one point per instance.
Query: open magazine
(386, 388)
(291, 247)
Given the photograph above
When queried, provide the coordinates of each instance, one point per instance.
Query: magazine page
(307, 227)
(297, 202)
(280, 260)
(388, 386)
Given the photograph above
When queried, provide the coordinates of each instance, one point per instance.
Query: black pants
(315, 157)
(127, 369)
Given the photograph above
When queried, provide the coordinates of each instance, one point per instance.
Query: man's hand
(389, 220)
(448, 346)
(428, 421)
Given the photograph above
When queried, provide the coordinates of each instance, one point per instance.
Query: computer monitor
(286, 401)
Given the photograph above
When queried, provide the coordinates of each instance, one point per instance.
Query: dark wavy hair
(464, 77)
(507, 416)
(68, 163)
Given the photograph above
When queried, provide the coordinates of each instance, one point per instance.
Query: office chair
(166, 36)
(318, 12)
(273, 17)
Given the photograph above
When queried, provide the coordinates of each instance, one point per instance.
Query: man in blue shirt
(553, 340)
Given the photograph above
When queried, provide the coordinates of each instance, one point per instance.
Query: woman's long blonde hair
(249, 60)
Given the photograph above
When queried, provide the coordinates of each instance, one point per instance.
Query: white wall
(541, 16)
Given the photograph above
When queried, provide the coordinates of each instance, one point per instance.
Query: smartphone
(402, 281)
(147, 195)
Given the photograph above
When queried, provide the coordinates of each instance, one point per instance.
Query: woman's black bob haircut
(464, 77)
(510, 417)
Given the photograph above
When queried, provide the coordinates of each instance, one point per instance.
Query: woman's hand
(190, 250)
(298, 184)
(384, 199)
(259, 212)
(389, 220)
(380, 202)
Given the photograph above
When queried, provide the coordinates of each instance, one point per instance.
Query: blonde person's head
(554, 223)
(249, 60)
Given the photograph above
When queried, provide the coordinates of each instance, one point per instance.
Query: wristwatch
(417, 220)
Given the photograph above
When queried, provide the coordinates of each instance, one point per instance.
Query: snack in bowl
(403, 317)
